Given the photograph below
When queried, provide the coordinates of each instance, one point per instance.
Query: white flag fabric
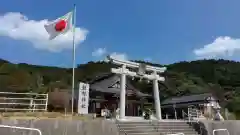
(59, 26)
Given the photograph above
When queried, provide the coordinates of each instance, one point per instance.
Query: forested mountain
(220, 77)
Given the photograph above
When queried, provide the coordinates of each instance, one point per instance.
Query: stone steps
(158, 133)
(162, 131)
(155, 128)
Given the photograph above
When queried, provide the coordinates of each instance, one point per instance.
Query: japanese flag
(59, 26)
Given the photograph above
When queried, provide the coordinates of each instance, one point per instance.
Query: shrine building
(175, 107)
(104, 93)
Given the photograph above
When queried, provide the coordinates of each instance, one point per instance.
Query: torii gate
(123, 71)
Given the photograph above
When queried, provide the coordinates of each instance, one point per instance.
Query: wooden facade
(205, 103)
(104, 94)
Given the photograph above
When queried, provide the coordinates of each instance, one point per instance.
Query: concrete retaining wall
(233, 127)
(61, 127)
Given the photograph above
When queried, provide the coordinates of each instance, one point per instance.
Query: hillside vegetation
(220, 77)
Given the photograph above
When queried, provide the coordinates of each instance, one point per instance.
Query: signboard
(83, 100)
(141, 69)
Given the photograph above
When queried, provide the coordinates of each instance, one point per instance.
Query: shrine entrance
(124, 71)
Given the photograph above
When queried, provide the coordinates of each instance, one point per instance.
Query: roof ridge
(99, 76)
(192, 95)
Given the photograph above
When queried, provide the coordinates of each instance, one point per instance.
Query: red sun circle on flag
(60, 25)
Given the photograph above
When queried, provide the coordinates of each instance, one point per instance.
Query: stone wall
(233, 127)
(61, 127)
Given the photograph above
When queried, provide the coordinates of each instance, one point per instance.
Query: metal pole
(74, 53)
(123, 93)
(46, 103)
(175, 112)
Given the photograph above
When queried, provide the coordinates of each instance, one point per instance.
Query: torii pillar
(157, 98)
(122, 93)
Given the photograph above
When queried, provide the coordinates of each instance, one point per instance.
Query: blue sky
(161, 31)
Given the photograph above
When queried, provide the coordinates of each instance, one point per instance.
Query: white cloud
(19, 27)
(99, 52)
(220, 47)
(103, 51)
(121, 56)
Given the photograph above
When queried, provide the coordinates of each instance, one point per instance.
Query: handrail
(191, 120)
(193, 112)
(14, 93)
(184, 114)
(23, 128)
(155, 125)
(176, 134)
(217, 130)
(188, 116)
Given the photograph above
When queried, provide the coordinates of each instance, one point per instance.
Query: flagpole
(74, 53)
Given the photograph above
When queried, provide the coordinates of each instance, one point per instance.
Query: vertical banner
(83, 100)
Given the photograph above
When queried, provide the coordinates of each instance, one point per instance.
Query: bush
(147, 114)
(237, 114)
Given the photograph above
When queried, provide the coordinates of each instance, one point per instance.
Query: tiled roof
(103, 81)
(184, 99)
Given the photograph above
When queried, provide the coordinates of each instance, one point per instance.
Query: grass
(43, 115)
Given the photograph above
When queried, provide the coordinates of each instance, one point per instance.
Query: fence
(193, 113)
(10, 101)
